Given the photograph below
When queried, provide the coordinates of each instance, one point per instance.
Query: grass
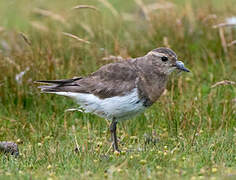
(188, 134)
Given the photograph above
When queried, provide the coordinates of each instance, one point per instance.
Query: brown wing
(110, 80)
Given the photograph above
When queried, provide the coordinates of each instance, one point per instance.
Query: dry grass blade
(115, 58)
(86, 7)
(228, 23)
(144, 9)
(75, 37)
(232, 43)
(12, 62)
(166, 42)
(25, 38)
(77, 147)
(225, 82)
(129, 17)
(209, 17)
(109, 6)
(39, 26)
(87, 29)
(1, 29)
(50, 14)
(234, 104)
(224, 25)
(223, 41)
(155, 6)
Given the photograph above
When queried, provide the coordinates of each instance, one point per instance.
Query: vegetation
(190, 133)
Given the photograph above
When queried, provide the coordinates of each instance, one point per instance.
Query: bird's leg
(113, 135)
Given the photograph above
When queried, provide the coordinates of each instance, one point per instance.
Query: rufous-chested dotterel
(120, 90)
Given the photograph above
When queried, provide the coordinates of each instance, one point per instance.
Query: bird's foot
(117, 150)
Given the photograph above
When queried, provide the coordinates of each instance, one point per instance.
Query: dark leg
(113, 135)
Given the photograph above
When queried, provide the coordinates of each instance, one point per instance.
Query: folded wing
(114, 79)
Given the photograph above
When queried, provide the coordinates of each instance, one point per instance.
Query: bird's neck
(151, 83)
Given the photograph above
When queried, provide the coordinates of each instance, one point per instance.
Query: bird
(121, 90)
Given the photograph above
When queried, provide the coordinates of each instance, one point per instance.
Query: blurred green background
(190, 133)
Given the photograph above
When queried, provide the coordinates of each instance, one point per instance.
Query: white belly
(119, 107)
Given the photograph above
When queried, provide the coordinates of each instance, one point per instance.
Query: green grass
(190, 133)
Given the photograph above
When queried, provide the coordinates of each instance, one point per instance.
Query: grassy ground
(189, 133)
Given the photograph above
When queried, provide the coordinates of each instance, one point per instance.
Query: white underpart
(119, 107)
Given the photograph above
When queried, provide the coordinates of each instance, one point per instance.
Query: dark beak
(180, 66)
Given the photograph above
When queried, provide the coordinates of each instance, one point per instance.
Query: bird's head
(164, 60)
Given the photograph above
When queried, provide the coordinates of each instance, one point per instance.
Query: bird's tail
(56, 85)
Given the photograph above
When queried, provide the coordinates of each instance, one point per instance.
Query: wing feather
(113, 79)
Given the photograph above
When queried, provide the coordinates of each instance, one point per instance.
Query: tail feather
(61, 81)
(57, 85)
(47, 89)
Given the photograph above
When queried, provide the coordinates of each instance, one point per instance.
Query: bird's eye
(164, 58)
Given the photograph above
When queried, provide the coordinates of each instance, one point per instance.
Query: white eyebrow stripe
(157, 54)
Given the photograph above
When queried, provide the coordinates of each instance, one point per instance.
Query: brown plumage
(147, 74)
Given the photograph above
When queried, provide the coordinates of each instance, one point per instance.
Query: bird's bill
(180, 66)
